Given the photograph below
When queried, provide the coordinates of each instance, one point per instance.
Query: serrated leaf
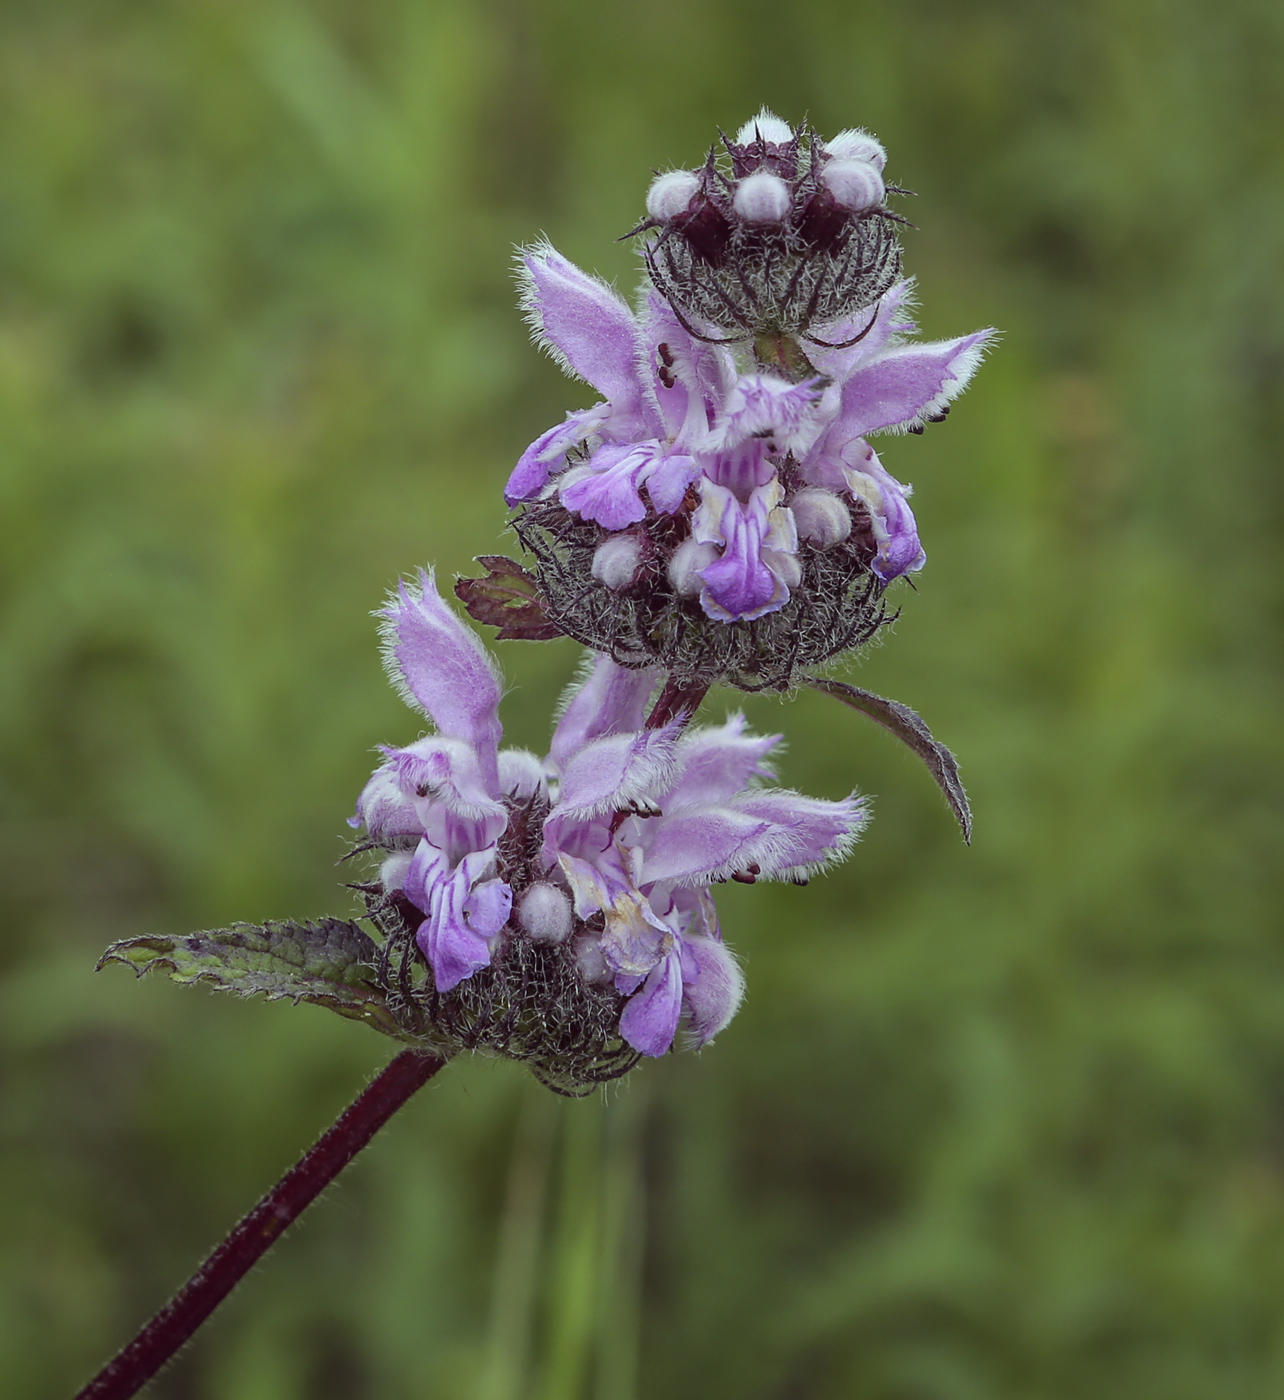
(909, 728)
(507, 597)
(329, 963)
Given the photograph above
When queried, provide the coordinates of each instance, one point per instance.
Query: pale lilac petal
(439, 667)
(895, 529)
(634, 938)
(697, 908)
(713, 986)
(740, 585)
(715, 764)
(741, 469)
(881, 325)
(384, 808)
(428, 870)
(464, 913)
(808, 832)
(446, 770)
(907, 385)
(700, 844)
(608, 699)
(487, 908)
(668, 479)
(611, 773)
(583, 325)
(779, 831)
(605, 488)
(453, 950)
(650, 1018)
(763, 406)
(545, 454)
(687, 376)
(595, 884)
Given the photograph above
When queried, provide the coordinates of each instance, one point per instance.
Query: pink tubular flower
(602, 854)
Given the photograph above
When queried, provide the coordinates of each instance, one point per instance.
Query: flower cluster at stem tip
(727, 477)
(720, 516)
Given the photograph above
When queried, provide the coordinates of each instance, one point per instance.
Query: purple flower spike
(774, 337)
(619, 833)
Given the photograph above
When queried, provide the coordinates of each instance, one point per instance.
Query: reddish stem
(161, 1338)
(675, 700)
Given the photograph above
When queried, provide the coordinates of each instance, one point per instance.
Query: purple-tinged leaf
(508, 598)
(909, 728)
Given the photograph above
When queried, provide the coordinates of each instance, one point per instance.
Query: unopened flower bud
(857, 145)
(767, 126)
(855, 184)
(616, 561)
(821, 517)
(671, 195)
(593, 967)
(684, 568)
(787, 569)
(521, 774)
(393, 872)
(545, 913)
(762, 198)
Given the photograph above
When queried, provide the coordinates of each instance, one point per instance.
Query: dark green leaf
(909, 728)
(328, 963)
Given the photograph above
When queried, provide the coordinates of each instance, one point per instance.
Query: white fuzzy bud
(767, 125)
(822, 519)
(855, 184)
(857, 145)
(684, 568)
(545, 913)
(521, 773)
(593, 966)
(616, 561)
(393, 872)
(762, 198)
(670, 194)
(786, 568)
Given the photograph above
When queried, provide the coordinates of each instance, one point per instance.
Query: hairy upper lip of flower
(634, 823)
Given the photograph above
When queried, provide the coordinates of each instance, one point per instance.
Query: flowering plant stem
(170, 1329)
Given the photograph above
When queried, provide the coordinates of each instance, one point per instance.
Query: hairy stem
(162, 1337)
(676, 700)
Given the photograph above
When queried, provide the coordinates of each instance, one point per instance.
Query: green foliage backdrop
(995, 1124)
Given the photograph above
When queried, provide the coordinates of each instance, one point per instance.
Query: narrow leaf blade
(328, 963)
(909, 728)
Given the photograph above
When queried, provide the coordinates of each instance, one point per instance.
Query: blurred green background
(994, 1124)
